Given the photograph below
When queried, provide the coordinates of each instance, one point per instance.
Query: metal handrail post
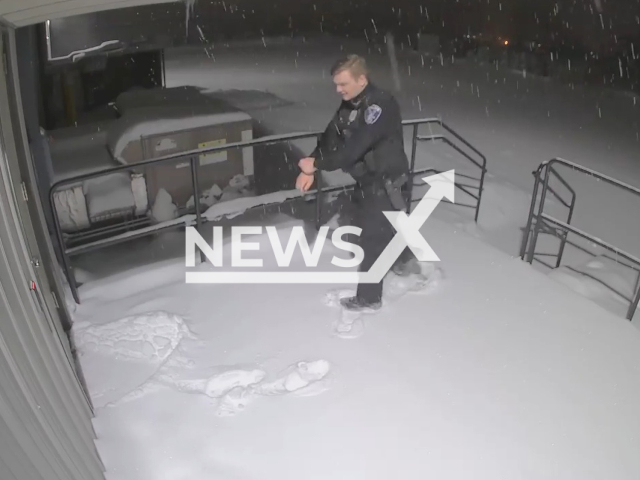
(319, 195)
(563, 241)
(318, 178)
(412, 165)
(196, 197)
(634, 305)
(527, 232)
(536, 228)
(480, 190)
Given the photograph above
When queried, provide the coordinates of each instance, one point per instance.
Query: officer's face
(347, 86)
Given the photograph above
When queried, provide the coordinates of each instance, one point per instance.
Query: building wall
(45, 426)
(45, 419)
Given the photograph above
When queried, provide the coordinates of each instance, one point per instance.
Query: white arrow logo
(408, 228)
(407, 235)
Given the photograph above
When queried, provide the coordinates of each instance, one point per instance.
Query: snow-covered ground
(494, 367)
(491, 369)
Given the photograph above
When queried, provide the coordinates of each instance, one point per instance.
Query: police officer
(365, 139)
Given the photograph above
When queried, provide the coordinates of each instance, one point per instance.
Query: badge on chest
(353, 115)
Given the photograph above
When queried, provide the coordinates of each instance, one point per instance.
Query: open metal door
(45, 417)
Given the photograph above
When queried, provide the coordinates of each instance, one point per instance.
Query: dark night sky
(567, 20)
(576, 24)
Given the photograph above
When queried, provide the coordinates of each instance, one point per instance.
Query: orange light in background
(506, 42)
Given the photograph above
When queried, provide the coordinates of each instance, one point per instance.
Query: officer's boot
(406, 264)
(357, 304)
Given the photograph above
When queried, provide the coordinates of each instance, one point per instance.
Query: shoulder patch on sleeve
(372, 114)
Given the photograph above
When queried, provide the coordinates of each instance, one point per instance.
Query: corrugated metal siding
(45, 421)
(29, 12)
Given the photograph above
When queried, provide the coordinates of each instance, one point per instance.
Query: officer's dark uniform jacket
(365, 139)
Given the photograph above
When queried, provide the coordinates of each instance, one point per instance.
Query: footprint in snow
(350, 325)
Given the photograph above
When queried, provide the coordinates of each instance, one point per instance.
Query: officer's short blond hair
(354, 63)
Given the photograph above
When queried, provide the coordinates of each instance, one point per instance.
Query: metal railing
(538, 220)
(569, 204)
(482, 164)
(197, 218)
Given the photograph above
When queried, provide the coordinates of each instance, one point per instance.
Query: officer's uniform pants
(377, 232)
